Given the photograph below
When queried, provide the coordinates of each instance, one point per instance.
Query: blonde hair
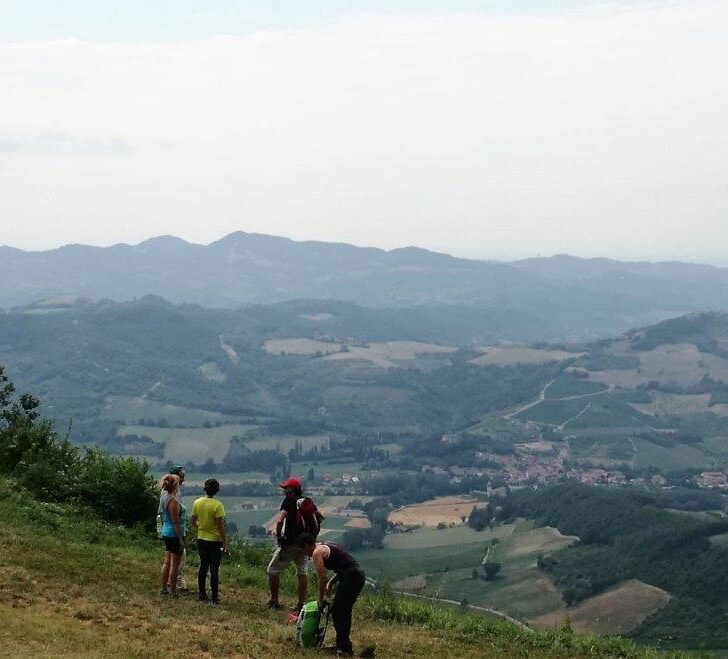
(169, 483)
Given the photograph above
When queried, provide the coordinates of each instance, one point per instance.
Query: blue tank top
(168, 530)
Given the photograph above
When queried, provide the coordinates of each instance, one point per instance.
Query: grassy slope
(72, 586)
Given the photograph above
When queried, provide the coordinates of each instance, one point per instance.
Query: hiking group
(296, 530)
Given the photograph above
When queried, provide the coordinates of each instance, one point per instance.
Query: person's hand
(329, 587)
(225, 549)
(183, 545)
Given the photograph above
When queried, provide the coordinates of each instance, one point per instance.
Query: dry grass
(616, 611)
(430, 513)
(507, 356)
(386, 355)
(70, 586)
(540, 540)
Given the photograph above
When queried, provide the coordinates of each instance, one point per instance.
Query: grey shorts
(284, 556)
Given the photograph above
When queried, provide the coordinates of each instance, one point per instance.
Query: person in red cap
(288, 551)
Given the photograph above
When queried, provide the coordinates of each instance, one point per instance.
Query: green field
(609, 412)
(601, 448)
(566, 387)
(130, 409)
(554, 412)
(681, 456)
(446, 559)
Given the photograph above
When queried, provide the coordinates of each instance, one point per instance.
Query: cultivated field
(387, 355)
(300, 347)
(679, 404)
(191, 444)
(568, 387)
(680, 456)
(430, 513)
(507, 356)
(616, 611)
(130, 409)
(537, 541)
(680, 363)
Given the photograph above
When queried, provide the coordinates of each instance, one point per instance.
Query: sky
(501, 129)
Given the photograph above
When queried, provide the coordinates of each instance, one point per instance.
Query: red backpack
(308, 517)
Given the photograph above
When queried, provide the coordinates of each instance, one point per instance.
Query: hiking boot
(274, 605)
(214, 602)
(202, 597)
(183, 592)
(164, 591)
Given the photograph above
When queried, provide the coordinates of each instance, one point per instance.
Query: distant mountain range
(567, 297)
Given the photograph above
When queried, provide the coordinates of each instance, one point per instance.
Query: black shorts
(172, 544)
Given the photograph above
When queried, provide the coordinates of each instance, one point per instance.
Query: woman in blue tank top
(173, 532)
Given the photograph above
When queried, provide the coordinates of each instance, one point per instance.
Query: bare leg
(302, 588)
(166, 564)
(274, 582)
(173, 569)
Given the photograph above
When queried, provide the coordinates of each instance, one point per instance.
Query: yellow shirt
(207, 510)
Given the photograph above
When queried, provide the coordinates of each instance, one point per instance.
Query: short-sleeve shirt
(290, 531)
(207, 510)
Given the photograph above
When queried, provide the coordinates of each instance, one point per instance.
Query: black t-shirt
(338, 560)
(290, 529)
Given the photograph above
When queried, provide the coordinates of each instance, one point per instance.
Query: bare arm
(193, 521)
(220, 525)
(318, 557)
(279, 523)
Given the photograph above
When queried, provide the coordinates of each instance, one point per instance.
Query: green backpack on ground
(311, 625)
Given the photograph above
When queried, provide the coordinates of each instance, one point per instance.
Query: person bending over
(208, 514)
(348, 579)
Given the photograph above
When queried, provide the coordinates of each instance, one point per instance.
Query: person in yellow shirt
(208, 516)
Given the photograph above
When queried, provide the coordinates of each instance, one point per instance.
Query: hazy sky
(491, 129)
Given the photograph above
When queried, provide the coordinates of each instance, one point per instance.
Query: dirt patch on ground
(449, 510)
(617, 611)
(507, 356)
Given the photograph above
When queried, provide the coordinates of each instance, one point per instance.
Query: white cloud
(599, 132)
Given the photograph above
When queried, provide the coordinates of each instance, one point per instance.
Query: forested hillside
(627, 534)
(536, 299)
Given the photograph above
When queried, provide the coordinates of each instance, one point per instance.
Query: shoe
(202, 597)
(164, 591)
(344, 653)
(214, 602)
(274, 605)
(297, 609)
(183, 591)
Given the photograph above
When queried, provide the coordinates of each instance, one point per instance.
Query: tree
(491, 570)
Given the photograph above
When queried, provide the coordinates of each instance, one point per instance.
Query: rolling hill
(556, 298)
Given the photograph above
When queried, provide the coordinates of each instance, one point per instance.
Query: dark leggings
(210, 557)
(348, 588)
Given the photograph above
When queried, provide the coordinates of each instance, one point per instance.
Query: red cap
(291, 482)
